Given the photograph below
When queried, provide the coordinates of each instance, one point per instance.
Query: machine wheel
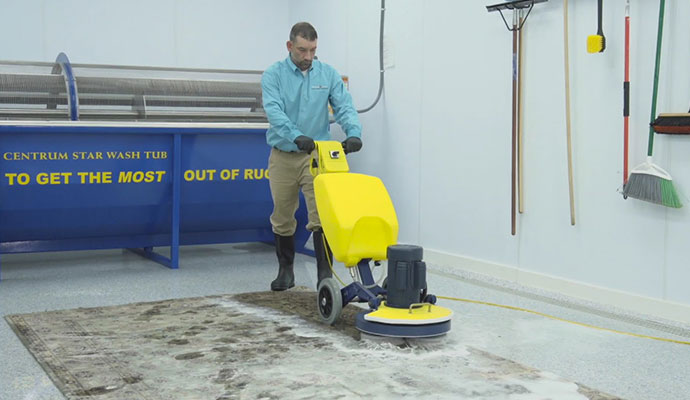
(329, 301)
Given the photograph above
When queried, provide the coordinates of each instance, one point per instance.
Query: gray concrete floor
(621, 365)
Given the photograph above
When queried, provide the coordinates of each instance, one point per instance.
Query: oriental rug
(264, 345)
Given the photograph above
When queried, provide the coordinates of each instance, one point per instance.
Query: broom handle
(520, 124)
(650, 144)
(514, 132)
(626, 93)
(600, 12)
(567, 113)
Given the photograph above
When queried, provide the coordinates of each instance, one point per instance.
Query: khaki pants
(287, 174)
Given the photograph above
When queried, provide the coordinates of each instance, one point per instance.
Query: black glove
(352, 144)
(305, 143)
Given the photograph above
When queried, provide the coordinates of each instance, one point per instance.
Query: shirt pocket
(319, 92)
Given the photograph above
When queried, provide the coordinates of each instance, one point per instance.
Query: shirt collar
(294, 67)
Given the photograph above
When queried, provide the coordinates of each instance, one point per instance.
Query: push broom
(649, 182)
(673, 124)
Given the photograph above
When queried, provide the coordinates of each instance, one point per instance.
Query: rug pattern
(262, 345)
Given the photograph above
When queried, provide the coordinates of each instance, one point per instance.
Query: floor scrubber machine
(359, 221)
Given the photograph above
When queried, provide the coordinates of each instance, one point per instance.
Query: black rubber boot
(285, 250)
(324, 257)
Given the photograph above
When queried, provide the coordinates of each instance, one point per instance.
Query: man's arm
(275, 108)
(343, 109)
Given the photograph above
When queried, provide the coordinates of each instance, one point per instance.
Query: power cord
(564, 320)
(486, 303)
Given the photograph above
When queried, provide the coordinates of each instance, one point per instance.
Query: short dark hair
(303, 29)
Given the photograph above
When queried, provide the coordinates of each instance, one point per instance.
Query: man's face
(302, 52)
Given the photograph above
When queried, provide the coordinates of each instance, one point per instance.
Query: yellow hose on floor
(564, 320)
(486, 303)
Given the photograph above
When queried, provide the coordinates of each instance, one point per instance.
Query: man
(296, 94)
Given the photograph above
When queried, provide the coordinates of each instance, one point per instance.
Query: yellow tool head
(595, 44)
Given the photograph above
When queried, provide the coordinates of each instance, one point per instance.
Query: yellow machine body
(328, 157)
(356, 212)
(360, 223)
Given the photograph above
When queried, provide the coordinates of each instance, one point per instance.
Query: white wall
(233, 34)
(440, 137)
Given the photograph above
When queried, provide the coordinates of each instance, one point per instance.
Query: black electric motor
(406, 275)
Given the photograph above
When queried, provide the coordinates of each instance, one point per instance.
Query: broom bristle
(669, 196)
(653, 189)
(672, 123)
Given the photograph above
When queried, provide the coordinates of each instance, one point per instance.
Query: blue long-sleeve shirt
(297, 104)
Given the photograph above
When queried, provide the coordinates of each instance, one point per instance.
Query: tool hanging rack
(514, 5)
(66, 91)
